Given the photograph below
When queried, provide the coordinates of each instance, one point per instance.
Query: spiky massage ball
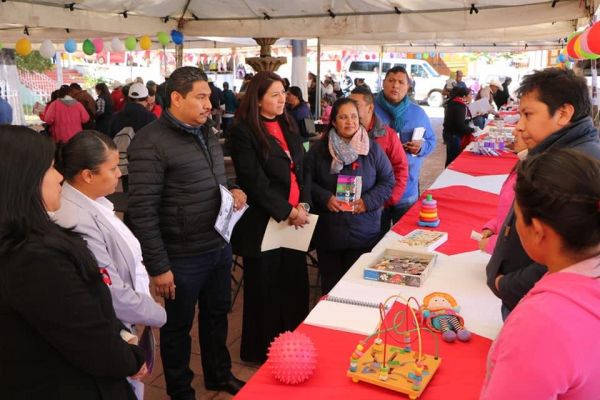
(292, 357)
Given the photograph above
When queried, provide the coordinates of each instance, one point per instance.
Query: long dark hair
(562, 188)
(86, 150)
(296, 91)
(104, 92)
(25, 157)
(248, 112)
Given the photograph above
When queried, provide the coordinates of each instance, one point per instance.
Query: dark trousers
(204, 280)
(333, 264)
(452, 148)
(275, 299)
(391, 215)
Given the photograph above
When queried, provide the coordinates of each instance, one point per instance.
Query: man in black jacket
(555, 113)
(134, 113)
(176, 168)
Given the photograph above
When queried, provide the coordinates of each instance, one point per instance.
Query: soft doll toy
(440, 311)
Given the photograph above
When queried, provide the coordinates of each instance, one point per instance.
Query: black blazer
(59, 336)
(265, 182)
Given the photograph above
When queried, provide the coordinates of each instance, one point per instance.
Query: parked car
(427, 83)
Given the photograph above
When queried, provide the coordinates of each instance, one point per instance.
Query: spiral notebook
(345, 314)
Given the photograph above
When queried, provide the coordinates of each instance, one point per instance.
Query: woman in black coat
(267, 153)
(457, 118)
(59, 336)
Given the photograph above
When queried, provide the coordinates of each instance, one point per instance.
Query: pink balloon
(98, 44)
(583, 41)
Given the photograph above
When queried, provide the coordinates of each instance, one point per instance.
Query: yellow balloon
(145, 43)
(23, 47)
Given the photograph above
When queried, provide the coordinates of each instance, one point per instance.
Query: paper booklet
(348, 190)
(227, 217)
(282, 234)
(423, 239)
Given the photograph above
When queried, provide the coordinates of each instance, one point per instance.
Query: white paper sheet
(480, 107)
(418, 134)
(283, 234)
(227, 217)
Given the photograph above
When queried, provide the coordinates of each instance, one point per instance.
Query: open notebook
(349, 308)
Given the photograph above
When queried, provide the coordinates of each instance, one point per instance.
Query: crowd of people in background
(161, 142)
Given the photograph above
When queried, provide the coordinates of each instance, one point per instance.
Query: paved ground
(155, 383)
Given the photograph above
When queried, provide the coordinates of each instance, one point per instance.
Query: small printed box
(401, 267)
(348, 190)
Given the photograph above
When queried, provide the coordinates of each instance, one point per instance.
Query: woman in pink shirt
(65, 116)
(548, 348)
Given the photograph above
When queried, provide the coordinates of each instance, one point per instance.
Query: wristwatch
(306, 206)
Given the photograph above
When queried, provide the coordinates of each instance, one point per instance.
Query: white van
(428, 83)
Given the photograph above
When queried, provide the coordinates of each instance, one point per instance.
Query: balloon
(23, 47)
(367, 57)
(88, 47)
(163, 38)
(130, 43)
(561, 58)
(571, 48)
(70, 45)
(145, 43)
(177, 37)
(432, 54)
(98, 44)
(419, 56)
(117, 46)
(47, 49)
(425, 56)
(593, 39)
(581, 52)
(571, 36)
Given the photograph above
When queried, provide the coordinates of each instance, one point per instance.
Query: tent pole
(594, 71)
(380, 70)
(179, 55)
(59, 68)
(318, 88)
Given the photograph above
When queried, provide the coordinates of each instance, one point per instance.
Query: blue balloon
(176, 37)
(419, 56)
(70, 45)
(432, 54)
(442, 55)
(561, 57)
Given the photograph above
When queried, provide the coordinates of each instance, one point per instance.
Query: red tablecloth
(460, 375)
(461, 209)
(477, 165)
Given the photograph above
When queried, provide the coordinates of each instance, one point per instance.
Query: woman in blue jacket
(346, 150)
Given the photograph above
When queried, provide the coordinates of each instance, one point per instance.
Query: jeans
(204, 280)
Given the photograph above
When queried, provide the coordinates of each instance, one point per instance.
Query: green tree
(34, 62)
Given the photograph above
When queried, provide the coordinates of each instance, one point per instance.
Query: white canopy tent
(404, 23)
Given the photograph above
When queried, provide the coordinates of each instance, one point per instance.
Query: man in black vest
(176, 168)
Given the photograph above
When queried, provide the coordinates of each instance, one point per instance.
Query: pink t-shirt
(548, 347)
